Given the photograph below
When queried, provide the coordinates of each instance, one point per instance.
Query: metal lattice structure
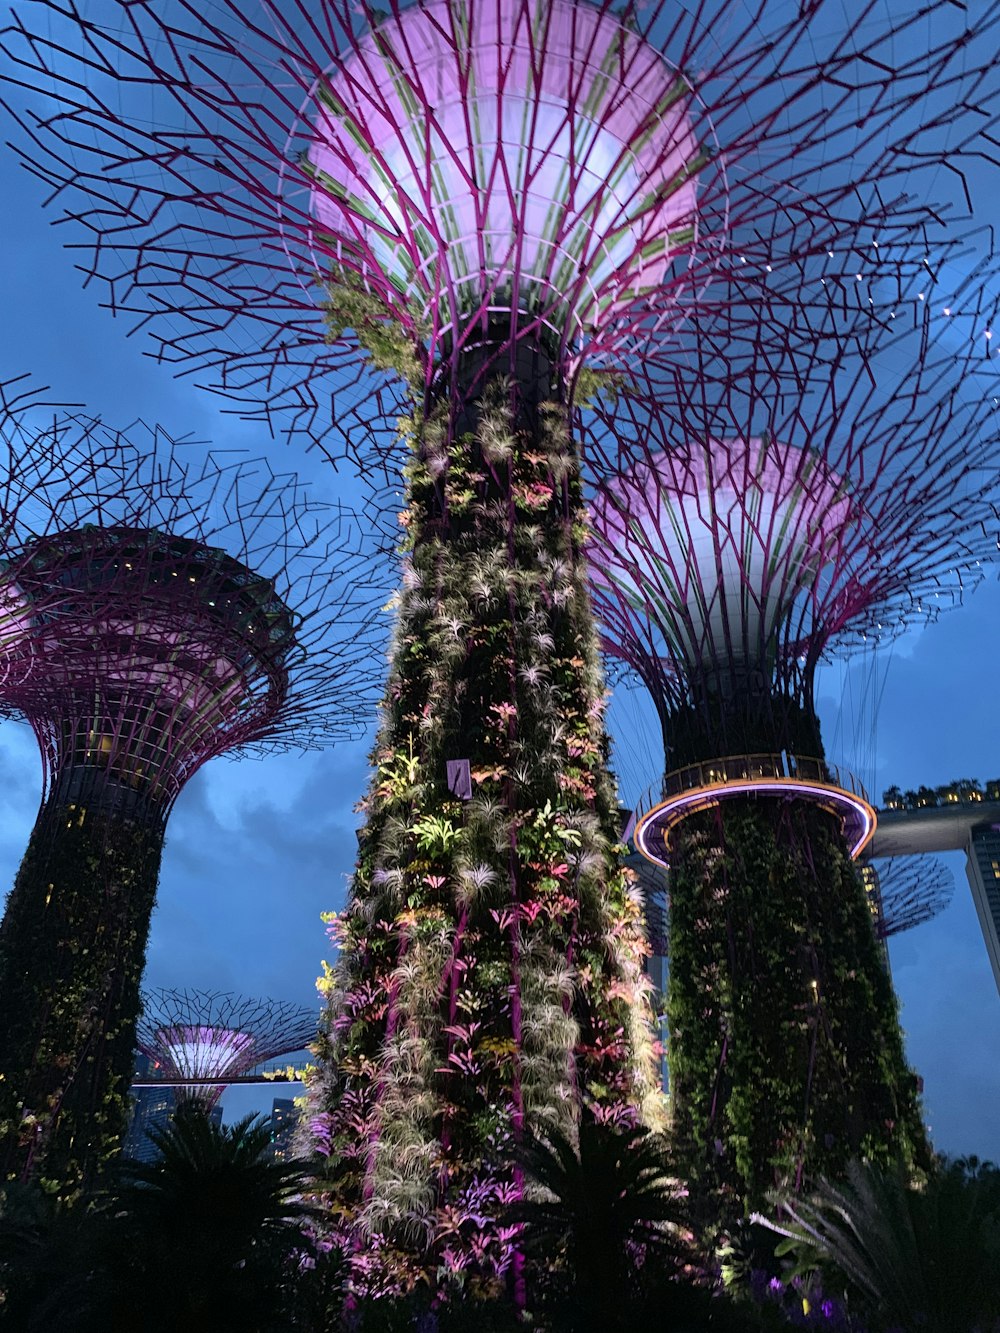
(742, 535)
(184, 605)
(161, 606)
(445, 175)
(906, 892)
(213, 1037)
(472, 214)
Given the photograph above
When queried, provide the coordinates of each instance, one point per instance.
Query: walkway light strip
(854, 812)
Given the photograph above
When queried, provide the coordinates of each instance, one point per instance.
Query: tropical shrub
(913, 1256)
(209, 1236)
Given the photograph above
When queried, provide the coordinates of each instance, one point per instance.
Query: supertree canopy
(465, 210)
(906, 891)
(450, 177)
(215, 1035)
(742, 534)
(741, 537)
(161, 607)
(161, 652)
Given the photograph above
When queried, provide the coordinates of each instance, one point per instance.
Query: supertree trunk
(786, 1057)
(138, 648)
(491, 966)
(72, 950)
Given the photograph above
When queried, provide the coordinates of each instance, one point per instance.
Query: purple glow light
(859, 818)
(715, 544)
(535, 157)
(215, 1035)
(205, 1052)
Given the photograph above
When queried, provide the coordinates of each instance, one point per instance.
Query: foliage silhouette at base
(209, 1236)
(922, 1257)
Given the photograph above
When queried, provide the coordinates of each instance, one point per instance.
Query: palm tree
(921, 1258)
(604, 1207)
(208, 1231)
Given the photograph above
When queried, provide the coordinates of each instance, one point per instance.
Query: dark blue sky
(257, 849)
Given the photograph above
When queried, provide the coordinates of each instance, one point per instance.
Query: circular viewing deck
(701, 786)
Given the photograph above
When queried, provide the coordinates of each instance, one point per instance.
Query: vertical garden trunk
(786, 1057)
(72, 949)
(491, 951)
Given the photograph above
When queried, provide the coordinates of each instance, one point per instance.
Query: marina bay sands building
(972, 827)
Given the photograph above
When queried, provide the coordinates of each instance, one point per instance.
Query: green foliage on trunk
(491, 953)
(786, 1057)
(72, 950)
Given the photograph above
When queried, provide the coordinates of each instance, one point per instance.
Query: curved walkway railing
(697, 786)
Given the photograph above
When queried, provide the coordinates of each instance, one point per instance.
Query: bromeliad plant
(491, 953)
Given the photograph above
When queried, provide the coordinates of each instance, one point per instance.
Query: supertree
(160, 607)
(492, 205)
(740, 538)
(905, 892)
(216, 1035)
(338, 212)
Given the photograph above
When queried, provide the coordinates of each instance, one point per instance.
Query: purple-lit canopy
(135, 644)
(141, 653)
(216, 1035)
(526, 157)
(203, 1052)
(741, 533)
(563, 169)
(718, 544)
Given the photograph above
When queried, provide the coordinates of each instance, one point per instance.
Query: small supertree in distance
(161, 607)
(905, 892)
(473, 213)
(213, 1037)
(740, 538)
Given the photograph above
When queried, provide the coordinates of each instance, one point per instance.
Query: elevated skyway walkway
(971, 826)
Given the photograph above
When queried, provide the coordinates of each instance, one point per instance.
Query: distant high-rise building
(151, 1109)
(284, 1119)
(983, 870)
(873, 896)
(971, 826)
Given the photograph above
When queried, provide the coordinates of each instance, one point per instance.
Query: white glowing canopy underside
(205, 1052)
(483, 147)
(714, 550)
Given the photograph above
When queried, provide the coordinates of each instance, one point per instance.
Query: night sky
(257, 849)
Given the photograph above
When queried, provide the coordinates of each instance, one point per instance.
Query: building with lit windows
(151, 1109)
(983, 869)
(284, 1120)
